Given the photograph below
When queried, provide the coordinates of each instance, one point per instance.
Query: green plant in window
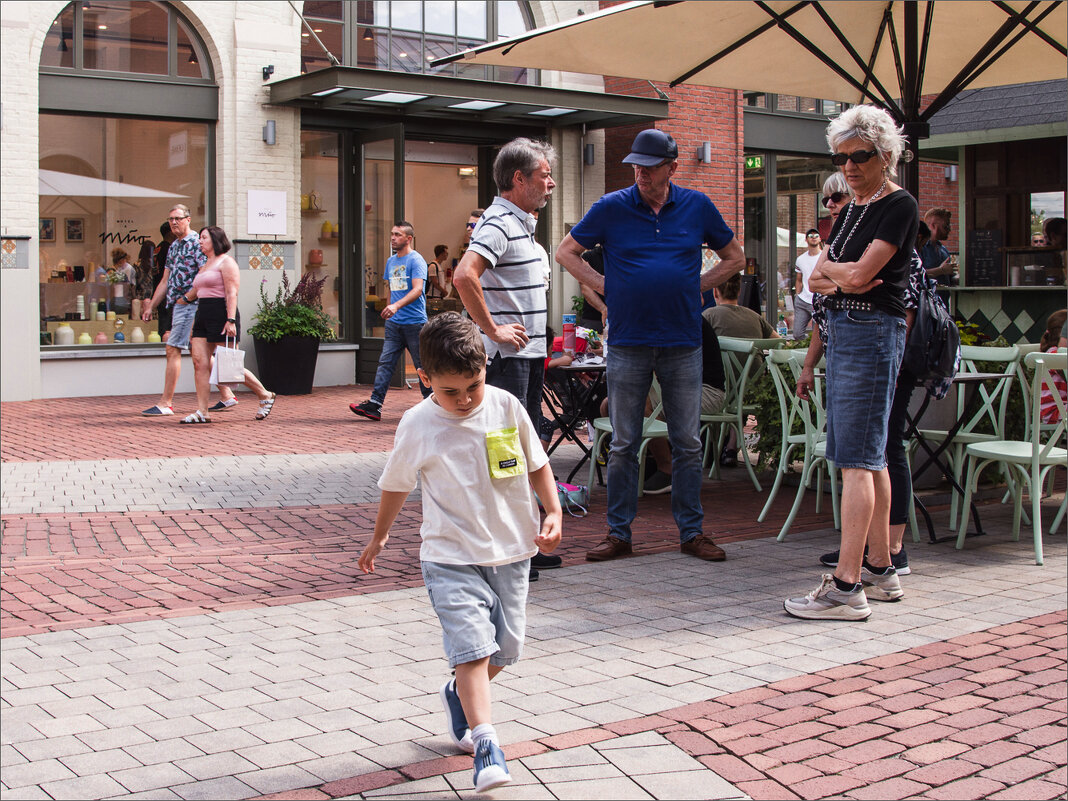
(762, 396)
(578, 303)
(296, 311)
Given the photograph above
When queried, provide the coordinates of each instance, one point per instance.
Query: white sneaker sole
(875, 593)
(843, 612)
(491, 777)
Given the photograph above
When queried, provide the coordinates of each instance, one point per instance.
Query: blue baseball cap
(651, 147)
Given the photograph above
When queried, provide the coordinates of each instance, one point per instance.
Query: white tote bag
(228, 367)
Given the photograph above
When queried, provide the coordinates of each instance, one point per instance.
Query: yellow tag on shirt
(505, 453)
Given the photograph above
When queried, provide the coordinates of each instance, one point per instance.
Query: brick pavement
(219, 644)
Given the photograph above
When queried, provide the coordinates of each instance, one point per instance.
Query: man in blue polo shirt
(651, 235)
(405, 316)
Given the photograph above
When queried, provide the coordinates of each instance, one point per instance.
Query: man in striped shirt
(500, 276)
(501, 283)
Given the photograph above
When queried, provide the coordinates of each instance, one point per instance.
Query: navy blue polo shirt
(652, 263)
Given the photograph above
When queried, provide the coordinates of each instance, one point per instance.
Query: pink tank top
(209, 284)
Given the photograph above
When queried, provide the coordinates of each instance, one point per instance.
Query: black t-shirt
(591, 317)
(711, 360)
(893, 219)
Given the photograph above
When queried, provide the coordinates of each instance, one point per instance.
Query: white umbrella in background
(888, 52)
(65, 184)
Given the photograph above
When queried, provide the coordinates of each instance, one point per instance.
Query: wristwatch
(231, 320)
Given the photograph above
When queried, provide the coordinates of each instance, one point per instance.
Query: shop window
(107, 184)
(406, 35)
(320, 215)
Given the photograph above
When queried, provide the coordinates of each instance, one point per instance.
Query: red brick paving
(59, 429)
(830, 763)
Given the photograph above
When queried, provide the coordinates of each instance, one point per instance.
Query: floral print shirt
(184, 260)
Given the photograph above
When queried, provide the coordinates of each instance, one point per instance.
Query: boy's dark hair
(730, 289)
(450, 343)
(439, 249)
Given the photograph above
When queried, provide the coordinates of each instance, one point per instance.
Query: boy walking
(478, 455)
(405, 316)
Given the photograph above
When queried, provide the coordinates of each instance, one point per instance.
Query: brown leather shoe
(611, 548)
(702, 547)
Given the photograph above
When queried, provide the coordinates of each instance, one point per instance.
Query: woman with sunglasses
(865, 267)
(836, 196)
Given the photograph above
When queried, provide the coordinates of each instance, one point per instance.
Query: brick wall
(936, 191)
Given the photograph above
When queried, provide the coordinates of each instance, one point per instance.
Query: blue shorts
(864, 351)
(182, 317)
(483, 610)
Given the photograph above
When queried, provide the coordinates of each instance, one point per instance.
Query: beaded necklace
(849, 211)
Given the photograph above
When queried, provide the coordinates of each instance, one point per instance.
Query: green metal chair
(1031, 460)
(743, 363)
(809, 443)
(652, 428)
(991, 405)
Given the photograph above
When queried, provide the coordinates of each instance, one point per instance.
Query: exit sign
(754, 162)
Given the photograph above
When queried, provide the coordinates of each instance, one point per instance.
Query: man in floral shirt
(184, 260)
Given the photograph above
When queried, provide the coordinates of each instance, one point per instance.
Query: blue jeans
(864, 351)
(630, 374)
(398, 337)
(523, 378)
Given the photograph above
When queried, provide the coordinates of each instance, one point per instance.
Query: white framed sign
(267, 212)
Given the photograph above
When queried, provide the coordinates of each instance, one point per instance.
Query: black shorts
(210, 319)
(163, 316)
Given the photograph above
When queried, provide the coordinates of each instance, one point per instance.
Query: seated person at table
(713, 397)
(558, 382)
(1051, 337)
(728, 319)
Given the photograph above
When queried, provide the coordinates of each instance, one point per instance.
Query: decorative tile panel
(1018, 314)
(255, 254)
(15, 253)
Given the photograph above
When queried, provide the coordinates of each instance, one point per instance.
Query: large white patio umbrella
(66, 184)
(889, 52)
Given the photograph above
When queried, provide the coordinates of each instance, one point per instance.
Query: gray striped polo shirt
(514, 286)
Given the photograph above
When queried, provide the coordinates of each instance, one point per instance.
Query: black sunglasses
(857, 157)
(834, 197)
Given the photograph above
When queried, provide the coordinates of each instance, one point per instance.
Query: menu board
(984, 258)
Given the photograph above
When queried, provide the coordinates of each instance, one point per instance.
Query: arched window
(124, 37)
(405, 35)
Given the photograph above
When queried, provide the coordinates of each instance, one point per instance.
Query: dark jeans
(897, 465)
(398, 337)
(523, 378)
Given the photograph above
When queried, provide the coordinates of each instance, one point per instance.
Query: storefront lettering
(124, 239)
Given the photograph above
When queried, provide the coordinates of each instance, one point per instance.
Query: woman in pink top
(215, 286)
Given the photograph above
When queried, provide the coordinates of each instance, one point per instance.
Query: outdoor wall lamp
(268, 71)
(951, 172)
(588, 155)
(269, 134)
(704, 153)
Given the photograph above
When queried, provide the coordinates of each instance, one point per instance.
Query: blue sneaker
(455, 719)
(490, 769)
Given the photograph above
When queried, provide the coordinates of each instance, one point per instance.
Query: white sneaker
(827, 602)
(884, 588)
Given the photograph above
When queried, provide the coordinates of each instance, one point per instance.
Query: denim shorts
(864, 352)
(483, 610)
(182, 317)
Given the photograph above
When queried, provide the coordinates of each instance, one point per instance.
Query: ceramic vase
(64, 335)
(137, 335)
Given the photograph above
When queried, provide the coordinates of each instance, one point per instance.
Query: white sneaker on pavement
(827, 602)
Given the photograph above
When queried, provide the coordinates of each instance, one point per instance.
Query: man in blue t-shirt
(651, 235)
(405, 316)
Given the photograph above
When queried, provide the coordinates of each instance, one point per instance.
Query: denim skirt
(864, 351)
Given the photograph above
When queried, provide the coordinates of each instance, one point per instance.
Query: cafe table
(969, 383)
(582, 383)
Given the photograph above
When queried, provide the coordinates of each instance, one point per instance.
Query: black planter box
(287, 366)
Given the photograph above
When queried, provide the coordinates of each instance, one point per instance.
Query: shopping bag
(228, 366)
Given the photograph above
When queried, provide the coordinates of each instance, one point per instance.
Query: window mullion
(172, 44)
(77, 40)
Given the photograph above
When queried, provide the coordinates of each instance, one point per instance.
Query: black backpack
(933, 340)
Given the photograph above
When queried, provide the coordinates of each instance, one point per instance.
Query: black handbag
(933, 340)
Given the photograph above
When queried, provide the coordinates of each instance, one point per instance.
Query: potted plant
(287, 334)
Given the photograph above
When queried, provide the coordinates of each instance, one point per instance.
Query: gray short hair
(836, 182)
(872, 125)
(520, 154)
(182, 208)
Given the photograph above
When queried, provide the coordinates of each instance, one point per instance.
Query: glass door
(379, 189)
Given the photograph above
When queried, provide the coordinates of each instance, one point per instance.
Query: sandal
(265, 407)
(196, 417)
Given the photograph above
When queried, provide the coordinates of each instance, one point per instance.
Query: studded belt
(847, 303)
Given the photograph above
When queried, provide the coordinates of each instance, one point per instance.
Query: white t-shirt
(469, 516)
(805, 264)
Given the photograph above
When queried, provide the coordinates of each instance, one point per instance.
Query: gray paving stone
(222, 789)
(98, 786)
(216, 766)
(276, 780)
(162, 752)
(151, 777)
(99, 762)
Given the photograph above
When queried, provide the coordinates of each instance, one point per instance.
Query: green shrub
(294, 312)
